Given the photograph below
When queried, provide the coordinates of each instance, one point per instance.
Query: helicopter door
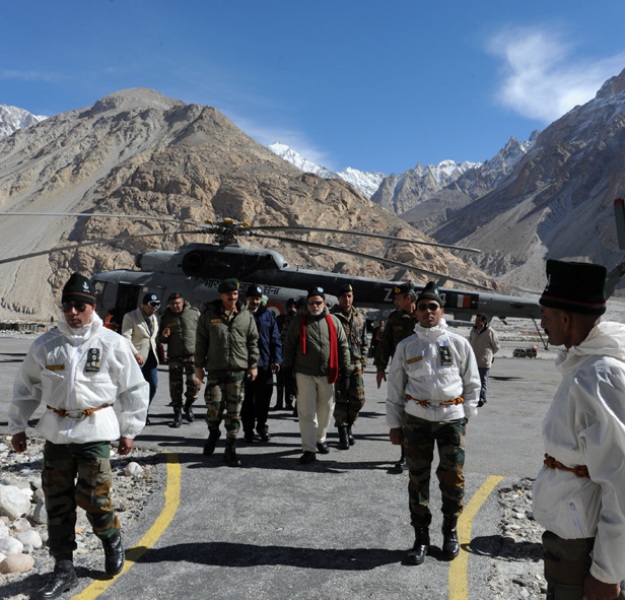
(127, 300)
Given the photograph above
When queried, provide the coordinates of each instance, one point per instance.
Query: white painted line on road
(458, 570)
(172, 500)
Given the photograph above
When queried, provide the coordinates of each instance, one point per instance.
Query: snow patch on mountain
(13, 118)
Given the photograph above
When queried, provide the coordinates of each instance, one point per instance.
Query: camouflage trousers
(224, 394)
(420, 436)
(348, 405)
(77, 475)
(181, 371)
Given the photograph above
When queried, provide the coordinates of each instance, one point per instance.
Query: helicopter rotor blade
(392, 263)
(91, 243)
(303, 229)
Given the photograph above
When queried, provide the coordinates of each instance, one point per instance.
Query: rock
(30, 537)
(11, 545)
(17, 563)
(13, 502)
(133, 469)
(40, 514)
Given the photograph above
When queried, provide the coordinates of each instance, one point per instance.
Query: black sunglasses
(79, 306)
(154, 303)
(315, 302)
(428, 306)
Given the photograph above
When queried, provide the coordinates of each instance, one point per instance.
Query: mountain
(13, 118)
(137, 152)
(365, 182)
(557, 201)
(438, 206)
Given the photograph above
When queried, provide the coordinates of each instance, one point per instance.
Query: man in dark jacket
(226, 351)
(349, 403)
(258, 392)
(177, 330)
(317, 352)
(284, 383)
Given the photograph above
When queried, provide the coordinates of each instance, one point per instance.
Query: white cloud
(542, 79)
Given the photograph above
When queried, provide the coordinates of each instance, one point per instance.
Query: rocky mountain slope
(138, 152)
(557, 202)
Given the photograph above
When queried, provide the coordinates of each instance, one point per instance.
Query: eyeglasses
(154, 303)
(79, 306)
(315, 302)
(428, 306)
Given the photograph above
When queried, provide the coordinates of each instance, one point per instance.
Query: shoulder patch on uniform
(414, 359)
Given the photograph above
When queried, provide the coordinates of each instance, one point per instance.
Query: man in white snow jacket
(579, 494)
(78, 372)
(433, 388)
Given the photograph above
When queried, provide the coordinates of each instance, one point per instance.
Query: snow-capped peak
(13, 118)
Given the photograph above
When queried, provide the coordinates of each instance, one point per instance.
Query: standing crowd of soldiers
(97, 388)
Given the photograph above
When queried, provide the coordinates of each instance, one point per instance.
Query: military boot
(343, 441)
(350, 436)
(188, 410)
(230, 455)
(62, 580)
(177, 422)
(263, 432)
(113, 554)
(420, 548)
(451, 547)
(211, 442)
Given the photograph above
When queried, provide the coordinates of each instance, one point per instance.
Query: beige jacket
(136, 331)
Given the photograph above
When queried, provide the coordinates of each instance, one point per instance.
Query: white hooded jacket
(418, 369)
(55, 372)
(585, 425)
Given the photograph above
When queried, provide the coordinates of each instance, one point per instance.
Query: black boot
(62, 580)
(188, 411)
(263, 432)
(211, 442)
(399, 466)
(420, 548)
(113, 554)
(451, 547)
(230, 455)
(343, 441)
(177, 422)
(350, 437)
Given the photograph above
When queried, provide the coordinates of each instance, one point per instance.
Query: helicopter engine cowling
(203, 260)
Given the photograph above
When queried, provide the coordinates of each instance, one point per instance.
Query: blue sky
(375, 85)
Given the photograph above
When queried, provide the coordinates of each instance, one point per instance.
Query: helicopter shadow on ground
(228, 554)
(15, 357)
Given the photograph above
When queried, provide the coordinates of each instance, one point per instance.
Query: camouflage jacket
(400, 325)
(356, 332)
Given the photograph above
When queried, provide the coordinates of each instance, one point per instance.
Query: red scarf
(333, 361)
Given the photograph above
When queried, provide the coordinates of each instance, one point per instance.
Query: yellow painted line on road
(172, 500)
(458, 570)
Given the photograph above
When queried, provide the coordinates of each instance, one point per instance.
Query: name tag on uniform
(55, 367)
(216, 320)
(445, 354)
(414, 359)
(93, 360)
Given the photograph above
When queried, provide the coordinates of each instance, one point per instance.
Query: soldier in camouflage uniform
(399, 326)
(433, 388)
(227, 351)
(177, 329)
(349, 403)
(284, 385)
(78, 371)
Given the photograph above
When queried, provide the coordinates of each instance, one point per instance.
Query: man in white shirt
(579, 493)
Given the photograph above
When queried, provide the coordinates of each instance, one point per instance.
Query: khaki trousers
(315, 405)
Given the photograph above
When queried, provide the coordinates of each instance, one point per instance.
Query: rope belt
(76, 414)
(426, 403)
(580, 470)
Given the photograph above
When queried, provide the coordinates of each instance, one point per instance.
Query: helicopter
(196, 269)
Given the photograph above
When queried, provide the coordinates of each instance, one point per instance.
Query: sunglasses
(79, 306)
(428, 306)
(154, 303)
(315, 302)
